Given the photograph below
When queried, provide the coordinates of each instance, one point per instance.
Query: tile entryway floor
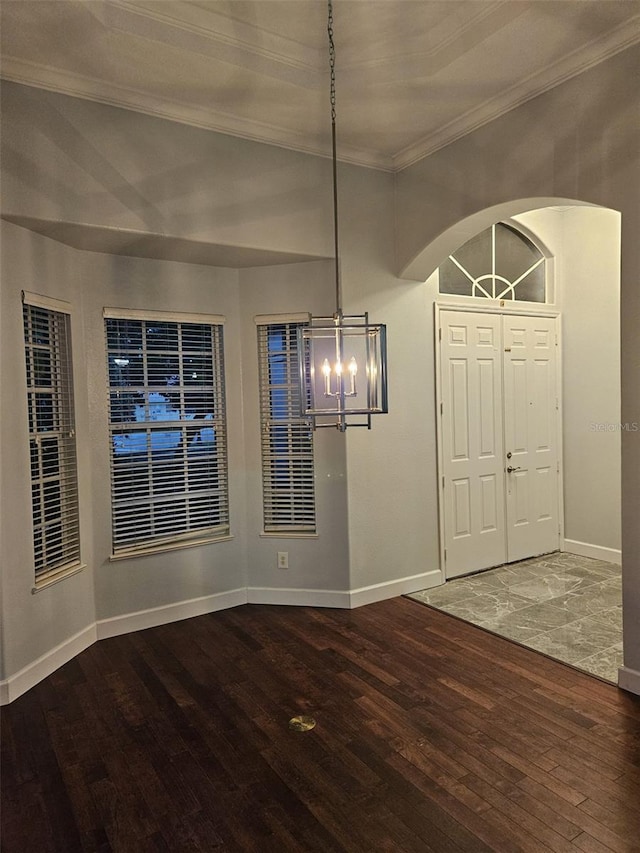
(567, 607)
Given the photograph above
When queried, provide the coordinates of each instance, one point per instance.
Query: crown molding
(572, 65)
(91, 89)
(207, 32)
(444, 35)
(95, 89)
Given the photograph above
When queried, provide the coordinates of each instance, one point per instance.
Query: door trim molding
(467, 304)
(494, 306)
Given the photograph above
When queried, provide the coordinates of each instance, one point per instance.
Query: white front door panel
(499, 397)
(472, 441)
(530, 401)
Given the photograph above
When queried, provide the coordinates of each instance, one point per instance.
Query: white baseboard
(298, 597)
(629, 679)
(596, 552)
(17, 684)
(346, 599)
(155, 616)
(26, 678)
(390, 589)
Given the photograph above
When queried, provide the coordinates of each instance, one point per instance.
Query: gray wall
(89, 163)
(392, 469)
(585, 243)
(90, 282)
(126, 586)
(590, 302)
(315, 563)
(579, 141)
(33, 624)
(78, 161)
(84, 163)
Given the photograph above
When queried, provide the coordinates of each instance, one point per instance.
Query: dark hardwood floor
(431, 735)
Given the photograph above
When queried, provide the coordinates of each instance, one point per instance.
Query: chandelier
(342, 358)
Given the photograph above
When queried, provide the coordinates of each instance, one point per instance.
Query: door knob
(511, 469)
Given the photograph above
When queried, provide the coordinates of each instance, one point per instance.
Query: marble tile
(521, 634)
(608, 570)
(566, 606)
(604, 663)
(615, 583)
(598, 567)
(611, 617)
(494, 579)
(543, 567)
(575, 640)
(509, 576)
(567, 557)
(549, 586)
(590, 599)
(587, 574)
(533, 619)
(447, 594)
(491, 605)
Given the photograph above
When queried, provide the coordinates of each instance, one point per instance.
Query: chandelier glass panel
(343, 369)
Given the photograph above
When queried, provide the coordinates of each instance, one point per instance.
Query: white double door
(499, 437)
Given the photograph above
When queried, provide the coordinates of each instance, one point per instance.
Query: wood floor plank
(590, 845)
(525, 820)
(624, 822)
(431, 736)
(602, 791)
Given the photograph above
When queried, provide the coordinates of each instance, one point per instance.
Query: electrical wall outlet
(283, 559)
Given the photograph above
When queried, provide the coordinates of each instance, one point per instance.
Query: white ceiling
(412, 75)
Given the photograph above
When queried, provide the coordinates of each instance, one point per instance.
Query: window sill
(134, 553)
(55, 577)
(287, 535)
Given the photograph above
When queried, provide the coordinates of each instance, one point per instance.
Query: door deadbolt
(509, 455)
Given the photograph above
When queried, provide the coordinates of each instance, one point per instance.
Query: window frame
(503, 298)
(155, 537)
(52, 448)
(286, 512)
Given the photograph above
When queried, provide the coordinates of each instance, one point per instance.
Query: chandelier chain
(332, 98)
(332, 63)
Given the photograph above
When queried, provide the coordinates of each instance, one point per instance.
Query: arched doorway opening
(582, 243)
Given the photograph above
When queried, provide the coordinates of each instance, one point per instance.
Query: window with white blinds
(52, 442)
(287, 438)
(169, 479)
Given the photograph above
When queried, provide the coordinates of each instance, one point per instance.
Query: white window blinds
(54, 469)
(169, 478)
(287, 438)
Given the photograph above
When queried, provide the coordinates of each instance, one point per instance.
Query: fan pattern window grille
(499, 263)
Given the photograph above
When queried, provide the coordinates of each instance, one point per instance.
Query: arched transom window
(499, 263)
